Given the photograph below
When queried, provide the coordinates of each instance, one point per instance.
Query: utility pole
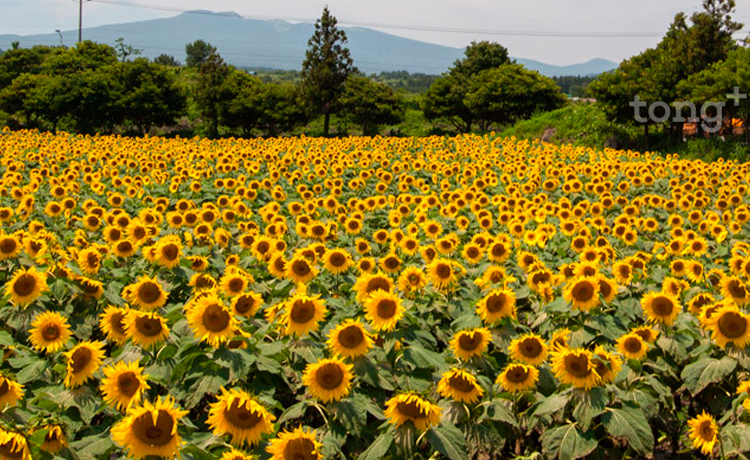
(80, 20)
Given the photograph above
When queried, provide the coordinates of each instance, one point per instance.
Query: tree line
(97, 88)
(698, 61)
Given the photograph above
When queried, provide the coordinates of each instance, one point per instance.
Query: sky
(559, 32)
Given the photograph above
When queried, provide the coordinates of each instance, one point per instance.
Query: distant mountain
(279, 44)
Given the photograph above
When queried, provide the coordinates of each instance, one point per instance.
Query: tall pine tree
(327, 65)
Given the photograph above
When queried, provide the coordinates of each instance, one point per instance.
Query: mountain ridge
(281, 44)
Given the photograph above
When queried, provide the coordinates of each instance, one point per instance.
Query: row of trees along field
(96, 88)
(697, 61)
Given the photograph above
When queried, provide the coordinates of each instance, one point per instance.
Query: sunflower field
(368, 298)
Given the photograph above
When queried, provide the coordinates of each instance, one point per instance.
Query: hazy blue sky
(448, 22)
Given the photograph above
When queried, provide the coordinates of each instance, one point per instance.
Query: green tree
(150, 95)
(124, 51)
(281, 108)
(14, 62)
(445, 99)
(166, 60)
(242, 107)
(479, 56)
(509, 93)
(371, 104)
(198, 52)
(326, 67)
(210, 92)
(689, 47)
(20, 98)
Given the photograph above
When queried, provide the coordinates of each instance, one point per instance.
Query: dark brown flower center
(80, 358)
(376, 283)
(50, 332)
(351, 337)
(215, 318)
(8, 245)
(386, 308)
(337, 259)
(530, 347)
(583, 291)
(662, 306)
(300, 449)
(460, 383)
(170, 251)
(329, 376)
(577, 365)
(496, 302)
(410, 410)
(148, 326)
(128, 383)
(517, 374)
(469, 341)
(24, 285)
(301, 268)
(302, 311)
(152, 434)
(149, 292)
(732, 325)
(633, 345)
(240, 416)
(443, 271)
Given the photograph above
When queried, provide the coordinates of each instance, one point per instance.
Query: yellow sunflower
(383, 310)
(518, 377)
(411, 280)
(606, 364)
(729, 324)
(82, 361)
(498, 304)
(529, 348)
(123, 384)
(660, 307)
(470, 342)
(13, 446)
(147, 293)
(235, 455)
(632, 346)
(211, 320)
(238, 414)
(150, 429)
(246, 304)
(49, 332)
(234, 282)
(704, 432)
(337, 261)
(440, 273)
(112, 323)
(55, 439)
(302, 314)
(145, 329)
(350, 339)
(89, 261)
(10, 247)
(582, 293)
(300, 270)
(460, 386)
(10, 391)
(733, 288)
(575, 367)
(369, 283)
(648, 334)
(297, 444)
(409, 407)
(25, 286)
(328, 379)
(168, 251)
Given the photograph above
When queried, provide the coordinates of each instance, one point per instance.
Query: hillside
(281, 45)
